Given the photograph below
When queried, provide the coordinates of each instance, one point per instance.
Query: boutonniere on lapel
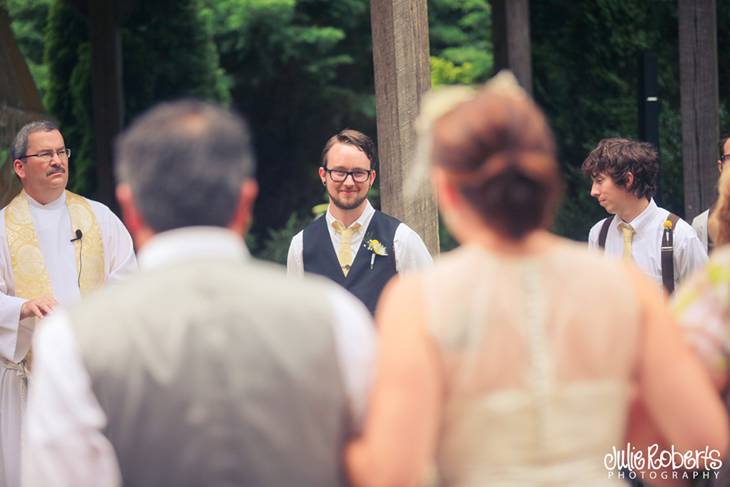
(377, 248)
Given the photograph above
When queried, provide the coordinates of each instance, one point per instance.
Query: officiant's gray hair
(185, 162)
(20, 143)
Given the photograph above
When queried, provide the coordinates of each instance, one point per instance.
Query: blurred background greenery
(300, 70)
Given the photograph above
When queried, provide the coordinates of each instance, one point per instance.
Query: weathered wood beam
(511, 39)
(699, 102)
(402, 76)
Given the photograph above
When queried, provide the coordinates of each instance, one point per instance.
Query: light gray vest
(217, 373)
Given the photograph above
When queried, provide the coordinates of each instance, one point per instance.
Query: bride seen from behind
(514, 360)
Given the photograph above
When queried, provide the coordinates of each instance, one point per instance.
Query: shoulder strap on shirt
(604, 231)
(668, 252)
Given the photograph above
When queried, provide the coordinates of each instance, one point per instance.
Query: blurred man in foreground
(208, 368)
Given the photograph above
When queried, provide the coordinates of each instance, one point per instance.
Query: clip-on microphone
(79, 236)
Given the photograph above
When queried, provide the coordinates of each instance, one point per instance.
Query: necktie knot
(341, 229)
(338, 226)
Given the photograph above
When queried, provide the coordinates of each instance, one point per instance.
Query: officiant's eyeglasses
(358, 175)
(47, 156)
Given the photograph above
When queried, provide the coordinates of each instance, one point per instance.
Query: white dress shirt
(699, 223)
(689, 253)
(53, 228)
(64, 443)
(410, 252)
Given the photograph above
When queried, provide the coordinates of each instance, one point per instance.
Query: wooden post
(107, 92)
(402, 76)
(511, 39)
(699, 102)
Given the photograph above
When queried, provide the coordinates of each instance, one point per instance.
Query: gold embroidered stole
(29, 268)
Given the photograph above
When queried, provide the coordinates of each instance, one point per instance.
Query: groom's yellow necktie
(344, 252)
(628, 232)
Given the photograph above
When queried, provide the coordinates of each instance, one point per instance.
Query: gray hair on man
(20, 143)
(185, 162)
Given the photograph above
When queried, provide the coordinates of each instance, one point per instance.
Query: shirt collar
(644, 218)
(363, 219)
(192, 242)
(60, 201)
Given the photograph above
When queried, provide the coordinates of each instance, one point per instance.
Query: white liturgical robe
(53, 229)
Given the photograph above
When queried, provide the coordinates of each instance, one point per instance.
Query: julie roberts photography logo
(660, 462)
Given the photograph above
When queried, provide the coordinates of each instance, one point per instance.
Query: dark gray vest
(217, 373)
(366, 283)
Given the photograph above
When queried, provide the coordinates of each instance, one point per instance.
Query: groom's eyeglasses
(358, 175)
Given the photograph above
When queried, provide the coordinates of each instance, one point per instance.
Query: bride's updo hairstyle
(498, 150)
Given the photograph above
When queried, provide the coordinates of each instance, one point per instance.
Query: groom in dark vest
(355, 245)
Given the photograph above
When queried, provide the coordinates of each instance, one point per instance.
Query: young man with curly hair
(624, 176)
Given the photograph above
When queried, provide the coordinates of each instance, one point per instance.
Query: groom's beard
(347, 205)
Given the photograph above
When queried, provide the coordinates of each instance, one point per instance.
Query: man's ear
(19, 168)
(323, 175)
(629, 180)
(373, 174)
(132, 217)
(244, 210)
(447, 193)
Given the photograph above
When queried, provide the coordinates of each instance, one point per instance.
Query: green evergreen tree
(29, 21)
(585, 71)
(68, 95)
(300, 71)
(460, 41)
(168, 53)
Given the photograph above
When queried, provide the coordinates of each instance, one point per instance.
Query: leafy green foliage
(444, 72)
(300, 71)
(585, 71)
(151, 74)
(461, 53)
(68, 96)
(460, 37)
(29, 20)
(276, 246)
(168, 53)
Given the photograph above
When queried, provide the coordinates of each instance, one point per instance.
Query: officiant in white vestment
(55, 247)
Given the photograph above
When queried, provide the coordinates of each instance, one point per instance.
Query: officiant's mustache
(55, 170)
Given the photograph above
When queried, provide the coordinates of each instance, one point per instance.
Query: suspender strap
(604, 231)
(668, 252)
(710, 243)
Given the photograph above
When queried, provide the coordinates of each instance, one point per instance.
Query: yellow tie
(628, 232)
(344, 252)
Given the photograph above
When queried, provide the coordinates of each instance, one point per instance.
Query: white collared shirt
(699, 223)
(410, 252)
(64, 444)
(689, 253)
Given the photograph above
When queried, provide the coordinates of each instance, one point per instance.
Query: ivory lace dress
(538, 353)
